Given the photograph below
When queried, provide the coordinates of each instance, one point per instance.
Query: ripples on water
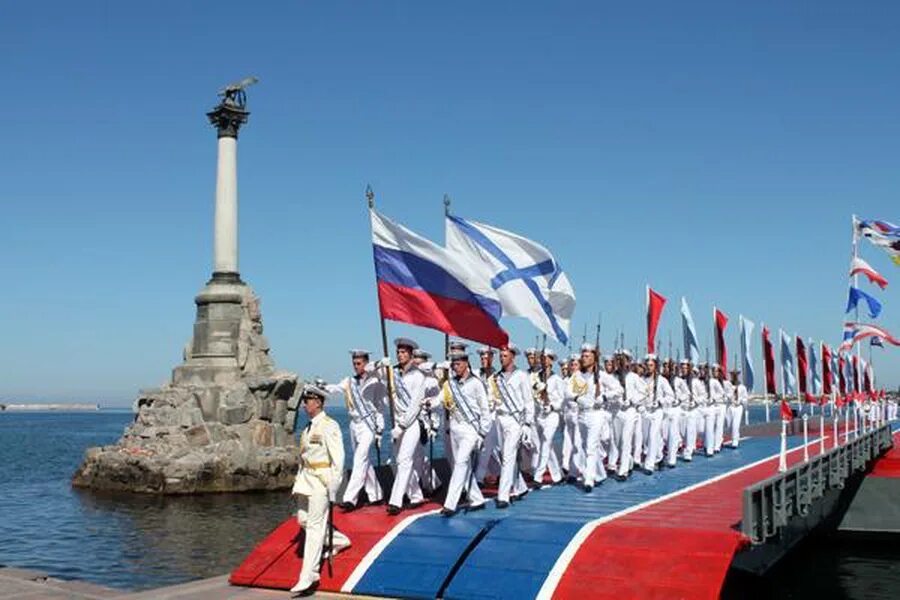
(134, 541)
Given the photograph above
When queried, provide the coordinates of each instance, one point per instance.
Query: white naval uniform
(612, 391)
(409, 393)
(590, 424)
(629, 420)
(659, 396)
(892, 409)
(515, 417)
(547, 423)
(490, 449)
(468, 410)
(365, 397)
(572, 449)
(717, 415)
(701, 398)
(736, 412)
(430, 418)
(317, 481)
(687, 418)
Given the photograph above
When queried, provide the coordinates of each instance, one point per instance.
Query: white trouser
(709, 428)
(615, 439)
(591, 424)
(312, 514)
(406, 480)
(672, 432)
(627, 422)
(448, 444)
(735, 414)
(488, 449)
(892, 411)
(637, 442)
(511, 481)
(720, 426)
(651, 425)
(546, 455)
(689, 419)
(363, 473)
(571, 452)
(465, 448)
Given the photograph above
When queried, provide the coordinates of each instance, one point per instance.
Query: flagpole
(370, 197)
(765, 375)
(797, 371)
(446, 214)
(781, 353)
(856, 312)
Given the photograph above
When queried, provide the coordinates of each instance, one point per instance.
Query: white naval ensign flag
(528, 280)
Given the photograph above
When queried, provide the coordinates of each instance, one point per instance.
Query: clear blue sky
(714, 150)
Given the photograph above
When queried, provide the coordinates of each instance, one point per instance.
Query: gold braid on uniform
(449, 403)
(579, 387)
(495, 392)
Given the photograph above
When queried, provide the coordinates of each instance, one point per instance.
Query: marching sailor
(315, 487)
(488, 459)
(739, 398)
(364, 395)
(547, 411)
(628, 416)
(584, 386)
(671, 425)
(685, 383)
(572, 459)
(707, 422)
(612, 391)
(467, 406)
(717, 408)
(512, 395)
(430, 417)
(408, 383)
(659, 398)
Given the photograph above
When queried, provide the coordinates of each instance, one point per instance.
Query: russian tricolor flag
(423, 284)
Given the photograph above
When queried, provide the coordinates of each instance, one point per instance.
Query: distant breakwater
(49, 407)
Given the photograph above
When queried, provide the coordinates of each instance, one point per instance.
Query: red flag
(855, 362)
(721, 320)
(655, 304)
(867, 382)
(842, 382)
(769, 360)
(786, 413)
(802, 368)
(826, 371)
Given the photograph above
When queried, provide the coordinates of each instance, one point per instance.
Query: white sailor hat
(458, 355)
(531, 351)
(651, 356)
(312, 391)
(458, 345)
(625, 352)
(563, 362)
(550, 353)
(511, 347)
(421, 353)
(715, 366)
(485, 350)
(703, 364)
(684, 361)
(574, 356)
(403, 342)
(427, 367)
(588, 347)
(608, 358)
(357, 353)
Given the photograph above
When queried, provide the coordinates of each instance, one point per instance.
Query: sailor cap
(357, 353)
(421, 353)
(625, 352)
(427, 367)
(651, 356)
(608, 358)
(715, 366)
(485, 350)
(511, 348)
(550, 353)
(588, 347)
(458, 345)
(312, 391)
(403, 342)
(574, 357)
(458, 355)
(531, 351)
(684, 361)
(563, 362)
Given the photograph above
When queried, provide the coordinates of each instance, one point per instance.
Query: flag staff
(797, 372)
(856, 374)
(446, 335)
(370, 197)
(765, 374)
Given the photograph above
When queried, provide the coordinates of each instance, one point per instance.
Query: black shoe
(571, 479)
(502, 504)
(446, 512)
(347, 506)
(517, 497)
(588, 489)
(645, 471)
(307, 592)
(475, 507)
(376, 503)
(393, 510)
(621, 477)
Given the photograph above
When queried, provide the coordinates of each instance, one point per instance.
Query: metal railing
(770, 504)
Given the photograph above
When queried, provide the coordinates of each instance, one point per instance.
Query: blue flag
(789, 387)
(746, 355)
(856, 295)
(691, 347)
(876, 341)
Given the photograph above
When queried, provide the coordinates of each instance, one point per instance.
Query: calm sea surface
(138, 542)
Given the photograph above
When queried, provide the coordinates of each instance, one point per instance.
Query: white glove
(445, 365)
(540, 386)
(396, 432)
(384, 363)
(369, 368)
(527, 436)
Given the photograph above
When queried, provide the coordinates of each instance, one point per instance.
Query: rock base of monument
(226, 421)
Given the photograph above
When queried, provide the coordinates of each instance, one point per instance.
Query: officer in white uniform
(548, 409)
(466, 402)
(584, 388)
(659, 397)
(488, 459)
(513, 398)
(688, 416)
(315, 487)
(717, 408)
(365, 396)
(572, 450)
(408, 384)
(738, 399)
(430, 417)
